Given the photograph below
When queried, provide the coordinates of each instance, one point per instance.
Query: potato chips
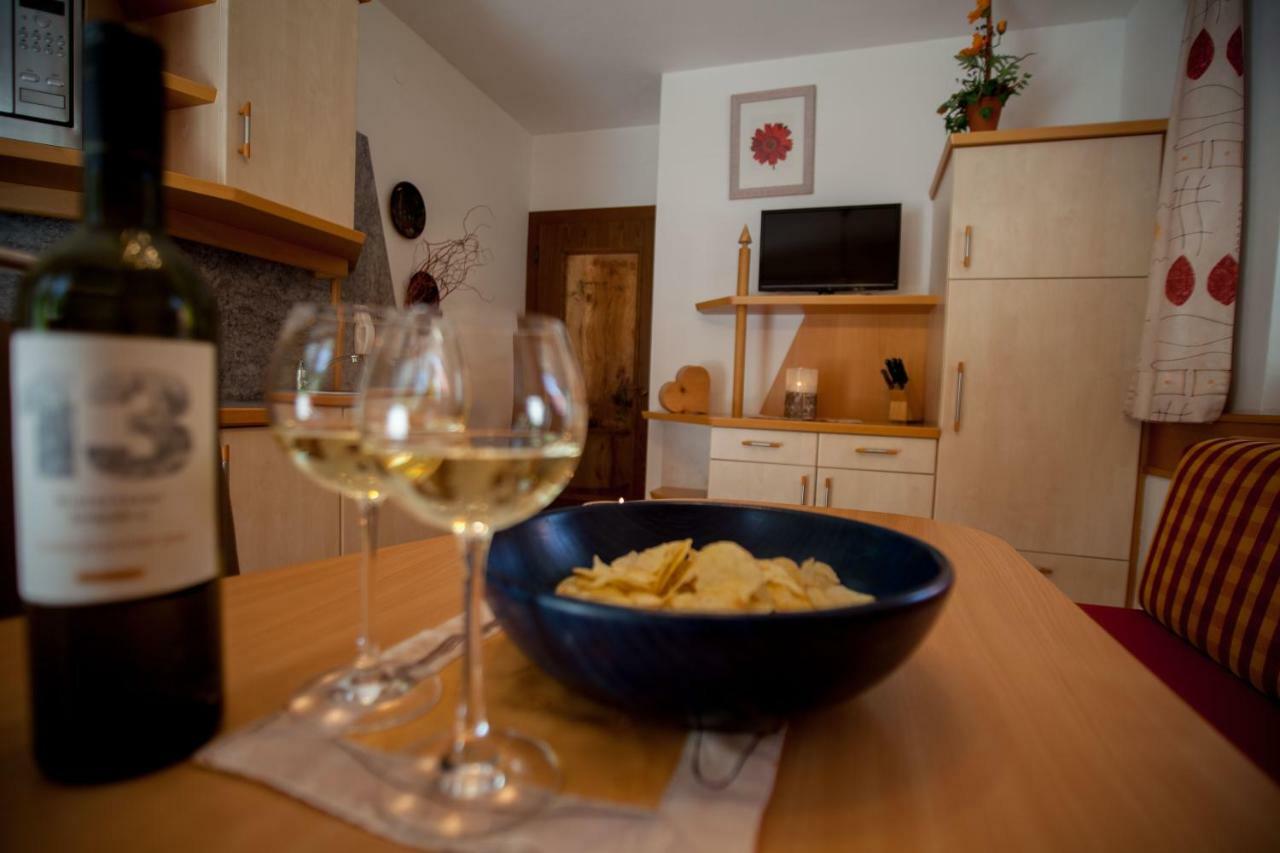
(721, 578)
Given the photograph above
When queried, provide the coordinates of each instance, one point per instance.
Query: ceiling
(566, 65)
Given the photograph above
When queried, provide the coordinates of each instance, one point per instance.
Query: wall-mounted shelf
(135, 10)
(810, 304)
(181, 92)
(838, 427)
(45, 180)
(677, 493)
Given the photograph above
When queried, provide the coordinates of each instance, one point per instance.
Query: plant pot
(992, 104)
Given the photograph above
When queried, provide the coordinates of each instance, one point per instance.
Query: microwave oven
(40, 47)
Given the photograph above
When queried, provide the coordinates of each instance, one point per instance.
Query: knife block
(899, 411)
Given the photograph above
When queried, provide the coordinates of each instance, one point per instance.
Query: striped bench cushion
(1214, 567)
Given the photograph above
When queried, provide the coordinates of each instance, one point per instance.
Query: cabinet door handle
(246, 148)
(879, 451)
(804, 490)
(1044, 570)
(959, 395)
(826, 499)
(968, 244)
(750, 443)
(226, 459)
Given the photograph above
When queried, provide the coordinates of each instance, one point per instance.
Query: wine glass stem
(366, 648)
(471, 722)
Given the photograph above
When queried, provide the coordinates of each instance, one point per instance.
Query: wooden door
(594, 270)
(1071, 209)
(295, 61)
(281, 516)
(1043, 455)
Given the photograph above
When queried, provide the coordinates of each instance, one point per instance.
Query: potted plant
(989, 79)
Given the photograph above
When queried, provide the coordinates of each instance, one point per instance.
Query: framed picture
(771, 143)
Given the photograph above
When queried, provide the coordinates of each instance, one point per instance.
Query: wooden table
(1018, 725)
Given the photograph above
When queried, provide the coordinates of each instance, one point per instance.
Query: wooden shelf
(789, 304)
(837, 427)
(181, 92)
(677, 493)
(1042, 134)
(135, 10)
(45, 180)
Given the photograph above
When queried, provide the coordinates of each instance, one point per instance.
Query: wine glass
(320, 356)
(476, 446)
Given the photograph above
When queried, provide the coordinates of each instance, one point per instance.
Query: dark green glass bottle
(114, 400)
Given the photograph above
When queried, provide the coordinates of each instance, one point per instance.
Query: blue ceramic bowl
(720, 671)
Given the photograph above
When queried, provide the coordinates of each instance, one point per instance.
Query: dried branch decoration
(448, 263)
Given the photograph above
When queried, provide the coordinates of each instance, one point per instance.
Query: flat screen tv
(825, 249)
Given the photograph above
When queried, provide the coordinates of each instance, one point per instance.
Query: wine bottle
(114, 406)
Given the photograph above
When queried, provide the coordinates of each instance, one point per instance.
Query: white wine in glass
(476, 428)
(320, 357)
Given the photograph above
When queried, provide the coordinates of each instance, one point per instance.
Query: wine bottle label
(114, 466)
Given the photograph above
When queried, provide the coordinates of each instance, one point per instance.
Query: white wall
(1257, 358)
(878, 139)
(1152, 33)
(428, 124)
(595, 168)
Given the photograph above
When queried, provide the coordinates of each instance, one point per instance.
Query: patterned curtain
(1184, 366)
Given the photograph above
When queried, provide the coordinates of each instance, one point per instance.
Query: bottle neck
(122, 191)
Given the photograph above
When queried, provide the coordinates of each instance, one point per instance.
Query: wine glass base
(503, 779)
(354, 699)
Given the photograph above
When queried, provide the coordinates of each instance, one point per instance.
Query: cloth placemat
(630, 786)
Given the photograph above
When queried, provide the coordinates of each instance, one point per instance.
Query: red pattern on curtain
(1184, 365)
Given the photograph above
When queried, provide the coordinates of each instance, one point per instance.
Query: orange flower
(983, 6)
(1001, 25)
(974, 14)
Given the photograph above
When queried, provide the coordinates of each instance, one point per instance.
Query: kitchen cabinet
(1074, 208)
(876, 491)
(761, 481)
(1038, 449)
(283, 125)
(281, 517)
(1038, 340)
(880, 473)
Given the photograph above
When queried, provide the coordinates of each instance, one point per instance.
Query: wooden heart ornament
(690, 393)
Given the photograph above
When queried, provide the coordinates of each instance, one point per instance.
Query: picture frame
(771, 135)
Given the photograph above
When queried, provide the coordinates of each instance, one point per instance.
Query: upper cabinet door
(294, 62)
(1072, 209)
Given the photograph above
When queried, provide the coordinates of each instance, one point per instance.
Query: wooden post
(335, 298)
(740, 321)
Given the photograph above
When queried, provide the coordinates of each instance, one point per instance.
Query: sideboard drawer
(878, 453)
(761, 481)
(1087, 580)
(876, 491)
(765, 445)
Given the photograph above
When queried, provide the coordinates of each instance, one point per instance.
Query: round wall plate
(408, 210)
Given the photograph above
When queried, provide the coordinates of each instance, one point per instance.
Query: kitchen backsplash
(253, 294)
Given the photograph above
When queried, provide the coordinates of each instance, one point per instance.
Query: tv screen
(830, 248)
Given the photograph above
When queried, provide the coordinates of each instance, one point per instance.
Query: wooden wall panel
(849, 350)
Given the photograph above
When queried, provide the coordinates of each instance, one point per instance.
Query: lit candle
(801, 398)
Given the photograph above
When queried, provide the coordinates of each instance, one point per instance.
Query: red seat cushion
(1246, 717)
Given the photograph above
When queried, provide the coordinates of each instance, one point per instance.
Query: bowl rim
(936, 588)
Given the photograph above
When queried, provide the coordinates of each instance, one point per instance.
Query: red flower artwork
(771, 143)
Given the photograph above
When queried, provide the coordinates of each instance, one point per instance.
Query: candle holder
(801, 399)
